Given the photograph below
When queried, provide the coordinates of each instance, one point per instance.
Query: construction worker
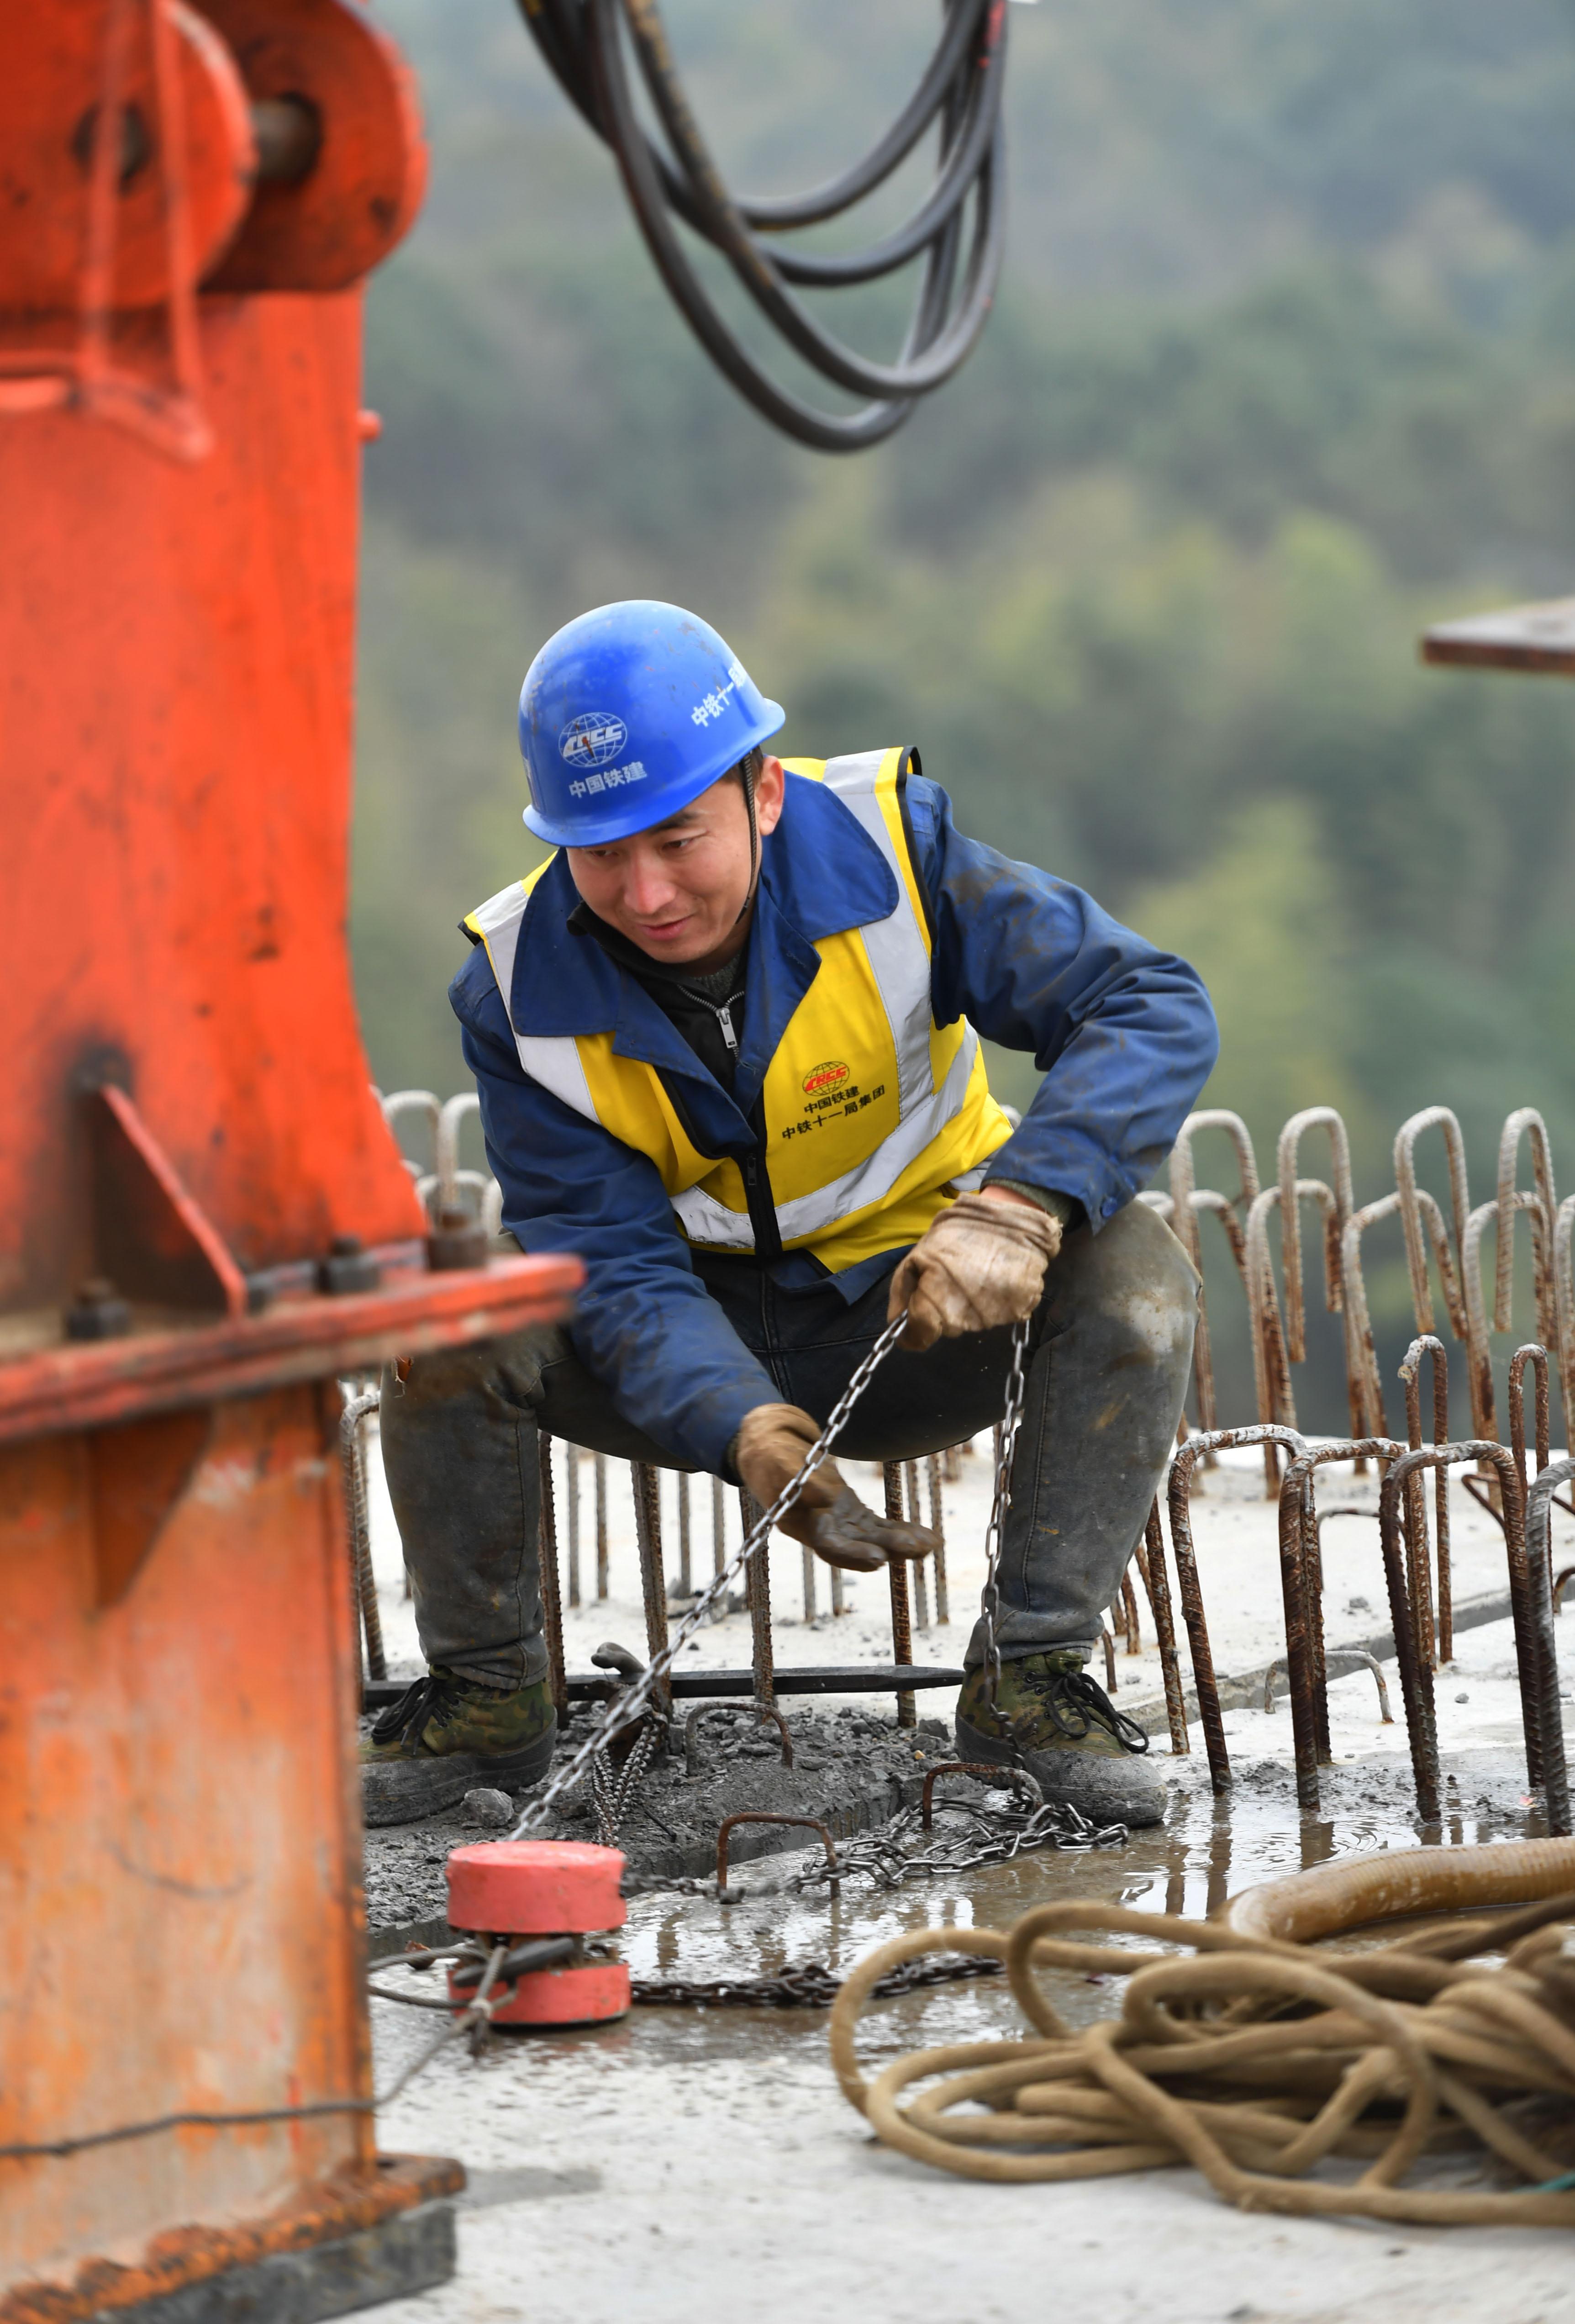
(726, 1040)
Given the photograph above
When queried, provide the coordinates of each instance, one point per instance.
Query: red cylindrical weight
(535, 1889)
(577, 1995)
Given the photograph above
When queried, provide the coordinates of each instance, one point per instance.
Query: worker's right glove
(828, 1516)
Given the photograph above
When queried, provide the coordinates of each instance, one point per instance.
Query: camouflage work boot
(1050, 1717)
(446, 1735)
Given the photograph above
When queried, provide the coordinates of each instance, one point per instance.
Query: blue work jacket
(1123, 1034)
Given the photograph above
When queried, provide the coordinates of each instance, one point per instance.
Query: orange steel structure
(189, 198)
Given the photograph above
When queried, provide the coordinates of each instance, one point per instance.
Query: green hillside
(1284, 366)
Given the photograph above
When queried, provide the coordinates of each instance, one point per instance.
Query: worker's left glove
(770, 1450)
(979, 1265)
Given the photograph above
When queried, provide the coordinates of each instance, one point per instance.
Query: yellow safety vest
(875, 1115)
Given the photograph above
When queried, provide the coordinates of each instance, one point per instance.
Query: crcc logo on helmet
(593, 739)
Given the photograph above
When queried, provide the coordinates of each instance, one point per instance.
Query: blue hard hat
(626, 716)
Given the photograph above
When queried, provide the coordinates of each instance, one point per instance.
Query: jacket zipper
(758, 1195)
(757, 1178)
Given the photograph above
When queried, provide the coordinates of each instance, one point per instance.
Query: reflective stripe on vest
(873, 1112)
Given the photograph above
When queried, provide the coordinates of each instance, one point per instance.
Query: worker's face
(677, 891)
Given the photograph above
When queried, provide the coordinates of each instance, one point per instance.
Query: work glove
(828, 1516)
(979, 1265)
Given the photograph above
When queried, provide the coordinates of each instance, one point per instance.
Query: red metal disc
(562, 1996)
(535, 1889)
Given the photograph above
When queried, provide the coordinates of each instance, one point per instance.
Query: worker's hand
(980, 1264)
(828, 1516)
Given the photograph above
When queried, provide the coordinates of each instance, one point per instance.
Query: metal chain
(802, 1985)
(612, 1798)
(616, 1718)
(991, 1835)
(1001, 1501)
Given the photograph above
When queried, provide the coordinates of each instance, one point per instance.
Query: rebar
(1129, 1615)
(1300, 1596)
(1341, 1201)
(921, 1592)
(1268, 1333)
(897, 1575)
(809, 1604)
(1451, 1278)
(571, 1494)
(551, 1602)
(1411, 1374)
(1211, 1716)
(758, 1597)
(718, 1527)
(1537, 1356)
(600, 1469)
(1312, 1604)
(1017, 1779)
(938, 1556)
(1521, 1601)
(424, 1103)
(1182, 1182)
(1564, 1306)
(1509, 1201)
(760, 1816)
(648, 1533)
(1526, 1122)
(452, 1118)
(1551, 1718)
(1358, 1658)
(1150, 1554)
(1364, 1354)
(363, 1582)
(767, 1710)
(686, 1576)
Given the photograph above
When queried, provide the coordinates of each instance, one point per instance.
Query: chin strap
(749, 792)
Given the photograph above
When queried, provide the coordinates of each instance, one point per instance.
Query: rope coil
(1255, 2060)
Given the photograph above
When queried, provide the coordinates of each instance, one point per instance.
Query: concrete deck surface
(684, 2166)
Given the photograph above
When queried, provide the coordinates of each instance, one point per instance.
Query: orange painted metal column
(204, 1220)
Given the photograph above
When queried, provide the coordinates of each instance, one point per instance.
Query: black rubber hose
(921, 368)
(581, 41)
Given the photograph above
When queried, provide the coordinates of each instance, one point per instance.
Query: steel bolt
(98, 1312)
(458, 1240)
(348, 1267)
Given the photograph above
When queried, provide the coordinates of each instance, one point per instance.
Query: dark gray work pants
(1111, 1343)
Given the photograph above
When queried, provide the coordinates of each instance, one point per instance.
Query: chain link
(804, 1985)
(613, 1797)
(990, 1835)
(616, 1718)
(1001, 1501)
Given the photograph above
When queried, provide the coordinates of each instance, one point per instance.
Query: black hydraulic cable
(724, 221)
(921, 369)
(582, 42)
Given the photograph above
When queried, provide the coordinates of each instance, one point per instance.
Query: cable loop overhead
(587, 45)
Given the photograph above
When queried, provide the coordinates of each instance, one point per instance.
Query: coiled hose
(582, 42)
(1254, 2060)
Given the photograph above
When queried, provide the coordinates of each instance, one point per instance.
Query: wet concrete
(852, 1769)
(689, 2162)
(703, 2162)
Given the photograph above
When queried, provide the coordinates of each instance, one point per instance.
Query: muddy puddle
(1208, 1849)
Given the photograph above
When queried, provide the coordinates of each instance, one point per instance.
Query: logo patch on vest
(822, 1079)
(592, 739)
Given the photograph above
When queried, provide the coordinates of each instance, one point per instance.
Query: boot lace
(1076, 1704)
(433, 1695)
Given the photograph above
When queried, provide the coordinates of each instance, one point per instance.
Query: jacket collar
(820, 873)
